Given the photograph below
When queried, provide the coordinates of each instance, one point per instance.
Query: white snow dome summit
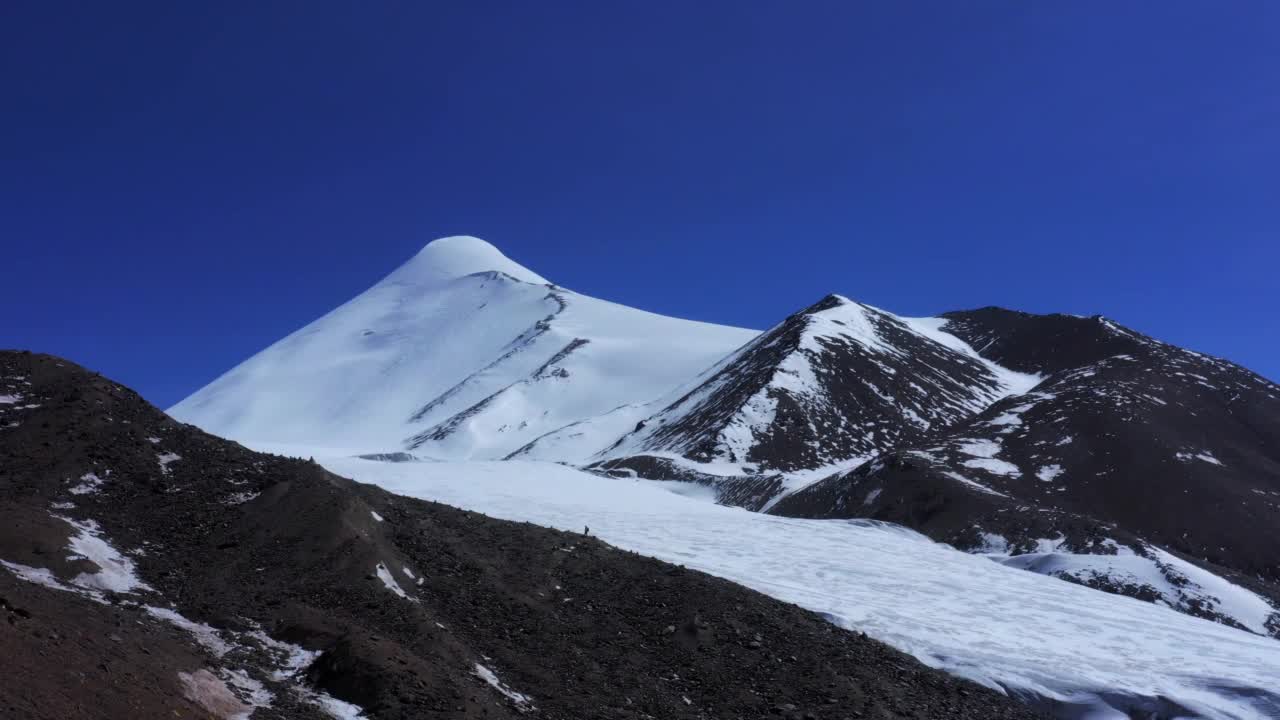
(449, 258)
(459, 353)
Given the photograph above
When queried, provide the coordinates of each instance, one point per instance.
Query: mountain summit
(451, 258)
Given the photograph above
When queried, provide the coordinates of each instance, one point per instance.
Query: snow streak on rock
(837, 381)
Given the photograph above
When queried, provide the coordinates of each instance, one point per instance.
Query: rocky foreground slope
(152, 570)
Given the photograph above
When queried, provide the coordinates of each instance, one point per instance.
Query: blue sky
(184, 183)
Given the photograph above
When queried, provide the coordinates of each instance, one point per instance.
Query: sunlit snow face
(469, 351)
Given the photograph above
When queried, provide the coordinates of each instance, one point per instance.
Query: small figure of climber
(586, 531)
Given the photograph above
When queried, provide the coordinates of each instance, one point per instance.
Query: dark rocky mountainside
(1127, 445)
(1028, 437)
(152, 570)
(1038, 343)
(836, 381)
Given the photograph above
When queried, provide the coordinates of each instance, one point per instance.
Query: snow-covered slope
(1146, 572)
(460, 353)
(1073, 650)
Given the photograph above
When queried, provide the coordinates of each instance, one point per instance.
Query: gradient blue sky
(184, 183)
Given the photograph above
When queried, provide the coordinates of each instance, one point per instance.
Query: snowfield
(999, 626)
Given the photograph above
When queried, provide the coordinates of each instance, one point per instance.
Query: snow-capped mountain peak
(460, 353)
(450, 258)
